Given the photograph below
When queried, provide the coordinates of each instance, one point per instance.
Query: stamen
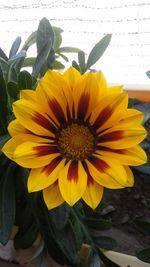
(76, 141)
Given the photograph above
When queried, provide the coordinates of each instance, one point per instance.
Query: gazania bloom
(77, 135)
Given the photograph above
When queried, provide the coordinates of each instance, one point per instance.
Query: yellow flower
(77, 135)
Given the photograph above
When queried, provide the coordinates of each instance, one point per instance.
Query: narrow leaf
(41, 58)
(21, 54)
(105, 242)
(30, 41)
(67, 49)
(44, 34)
(81, 59)
(24, 80)
(98, 50)
(15, 47)
(57, 65)
(7, 203)
(29, 62)
(3, 55)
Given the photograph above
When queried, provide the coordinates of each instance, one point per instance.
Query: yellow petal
(41, 178)
(72, 182)
(133, 156)
(34, 155)
(85, 95)
(130, 177)
(102, 84)
(119, 137)
(109, 111)
(52, 196)
(72, 75)
(115, 89)
(28, 95)
(132, 117)
(15, 128)
(108, 173)
(93, 194)
(49, 91)
(29, 116)
(9, 148)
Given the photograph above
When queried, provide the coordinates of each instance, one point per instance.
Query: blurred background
(84, 23)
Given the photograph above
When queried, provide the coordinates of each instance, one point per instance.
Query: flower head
(77, 135)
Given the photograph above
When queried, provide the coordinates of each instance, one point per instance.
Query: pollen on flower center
(76, 141)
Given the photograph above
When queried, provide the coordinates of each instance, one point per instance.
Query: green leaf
(57, 41)
(75, 65)
(3, 55)
(67, 49)
(15, 47)
(41, 58)
(57, 242)
(4, 67)
(63, 56)
(98, 50)
(98, 224)
(81, 59)
(26, 237)
(59, 216)
(25, 80)
(11, 74)
(104, 242)
(30, 41)
(145, 168)
(29, 62)
(144, 255)
(15, 58)
(12, 88)
(3, 140)
(45, 35)
(57, 65)
(3, 105)
(7, 203)
(50, 59)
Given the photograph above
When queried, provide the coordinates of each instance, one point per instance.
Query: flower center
(76, 141)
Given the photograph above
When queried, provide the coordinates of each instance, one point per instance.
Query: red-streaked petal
(43, 177)
(72, 182)
(107, 172)
(119, 137)
(52, 196)
(94, 191)
(31, 118)
(49, 91)
(133, 156)
(109, 111)
(85, 95)
(34, 155)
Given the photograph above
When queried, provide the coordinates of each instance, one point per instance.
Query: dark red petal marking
(49, 168)
(89, 177)
(103, 117)
(119, 151)
(45, 123)
(108, 137)
(45, 150)
(99, 164)
(83, 106)
(73, 171)
(57, 110)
